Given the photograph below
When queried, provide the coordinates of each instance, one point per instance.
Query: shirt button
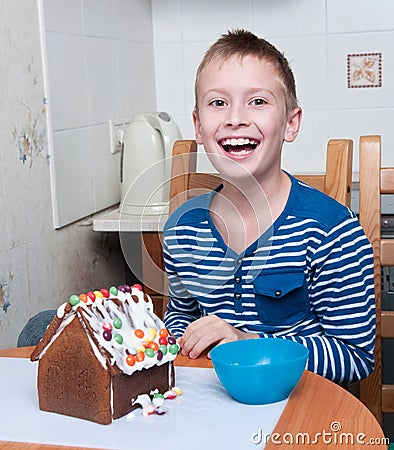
(237, 279)
(278, 293)
(239, 261)
(237, 295)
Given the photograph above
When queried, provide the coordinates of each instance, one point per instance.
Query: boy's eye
(258, 101)
(218, 103)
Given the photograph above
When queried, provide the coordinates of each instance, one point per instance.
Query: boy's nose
(236, 117)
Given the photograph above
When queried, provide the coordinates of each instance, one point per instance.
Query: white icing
(134, 315)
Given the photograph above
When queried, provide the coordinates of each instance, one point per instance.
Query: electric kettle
(146, 163)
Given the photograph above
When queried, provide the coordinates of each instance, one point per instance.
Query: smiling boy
(264, 255)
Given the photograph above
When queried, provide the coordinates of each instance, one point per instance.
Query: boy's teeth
(239, 141)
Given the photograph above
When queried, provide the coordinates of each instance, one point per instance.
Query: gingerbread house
(100, 352)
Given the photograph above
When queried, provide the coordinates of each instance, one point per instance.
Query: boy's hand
(207, 331)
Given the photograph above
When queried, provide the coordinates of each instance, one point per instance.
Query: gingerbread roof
(121, 326)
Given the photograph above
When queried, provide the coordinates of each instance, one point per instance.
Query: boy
(264, 255)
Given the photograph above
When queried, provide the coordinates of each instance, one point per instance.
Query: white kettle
(146, 163)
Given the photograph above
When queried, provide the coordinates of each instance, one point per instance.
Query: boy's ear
(197, 127)
(293, 124)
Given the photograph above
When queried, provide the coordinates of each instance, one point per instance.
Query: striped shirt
(309, 278)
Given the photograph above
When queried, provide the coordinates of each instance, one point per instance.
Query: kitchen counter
(113, 220)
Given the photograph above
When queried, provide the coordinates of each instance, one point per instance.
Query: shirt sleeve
(342, 295)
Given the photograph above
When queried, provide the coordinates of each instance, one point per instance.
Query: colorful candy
(153, 346)
(173, 349)
(178, 390)
(105, 293)
(74, 300)
(117, 323)
(137, 286)
(170, 395)
(130, 360)
(91, 295)
(118, 338)
(163, 349)
(171, 340)
(107, 335)
(139, 333)
(140, 356)
(124, 288)
(107, 326)
(113, 290)
(83, 298)
(149, 352)
(163, 333)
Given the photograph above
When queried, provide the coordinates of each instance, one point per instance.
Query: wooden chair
(376, 181)
(187, 183)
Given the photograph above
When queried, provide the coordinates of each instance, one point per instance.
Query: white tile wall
(68, 93)
(63, 17)
(100, 67)
(288, 18)
(99, 18)
(102, 80)
(74, 177)
(355, 16)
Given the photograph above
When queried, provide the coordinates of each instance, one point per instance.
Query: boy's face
(242, 119)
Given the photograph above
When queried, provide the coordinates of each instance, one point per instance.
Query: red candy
(137, 286)
(107, 326)
(163, 341)
(105, 292)
(91, 295)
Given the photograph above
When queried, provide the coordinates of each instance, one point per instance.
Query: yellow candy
(177, 390)
(98, 294)
(152, 332)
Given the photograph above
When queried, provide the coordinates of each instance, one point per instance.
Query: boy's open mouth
(238, 146)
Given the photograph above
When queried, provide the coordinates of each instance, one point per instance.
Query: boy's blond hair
(243, 43)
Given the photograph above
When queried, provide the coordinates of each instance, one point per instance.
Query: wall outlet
(117, 131)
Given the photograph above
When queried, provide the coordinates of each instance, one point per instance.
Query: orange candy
(139, 333)
(83, 298)
(153, 346)
(163, 333)
(140, 356)
(130, 360)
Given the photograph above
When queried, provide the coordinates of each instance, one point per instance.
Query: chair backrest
(376, 181)
(187, 183)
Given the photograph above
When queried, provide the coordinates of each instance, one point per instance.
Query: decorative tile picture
(364, 70)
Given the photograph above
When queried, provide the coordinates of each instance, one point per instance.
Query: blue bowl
(259, 371)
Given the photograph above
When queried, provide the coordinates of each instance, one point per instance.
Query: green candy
(173, 349)
(74, 300)
(118, 338)
(117, 323)
(113, 290)
(149, 352)
(163, 349)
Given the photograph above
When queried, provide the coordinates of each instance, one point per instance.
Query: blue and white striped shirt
(309, 278)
